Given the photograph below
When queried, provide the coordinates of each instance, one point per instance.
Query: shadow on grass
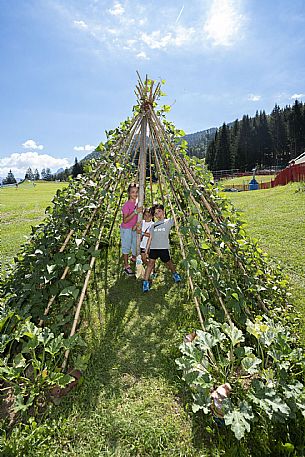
(133, 344)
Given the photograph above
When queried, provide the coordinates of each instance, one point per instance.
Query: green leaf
(51, 268)
(235, 335)
(250, 363)
(239, 419)
(71, 290)
(205, 340)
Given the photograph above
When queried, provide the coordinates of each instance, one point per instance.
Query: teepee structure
(239, 298)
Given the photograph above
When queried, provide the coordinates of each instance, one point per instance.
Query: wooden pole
(142, 175)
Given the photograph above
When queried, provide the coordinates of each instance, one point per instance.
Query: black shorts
(142, 250)
(162, 254)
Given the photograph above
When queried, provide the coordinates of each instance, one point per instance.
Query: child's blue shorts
(128, 240)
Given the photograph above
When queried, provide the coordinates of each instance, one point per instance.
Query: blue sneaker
(176, 277)
(146, 286)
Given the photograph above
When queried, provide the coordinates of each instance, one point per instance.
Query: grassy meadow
(132, 401)
(240, 180)
(276, 218)
(21, 208)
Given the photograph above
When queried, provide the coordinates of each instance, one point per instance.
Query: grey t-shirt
(159, 232)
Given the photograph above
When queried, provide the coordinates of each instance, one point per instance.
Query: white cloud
(31, 144)
(80, 24)
(117, 10)
(86, 148)
(142, 55)
(224, 22)
(20, 162)
(254, 98)
(157, 40)
(296, 96)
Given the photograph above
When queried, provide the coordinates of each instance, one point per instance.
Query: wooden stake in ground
(142, 177)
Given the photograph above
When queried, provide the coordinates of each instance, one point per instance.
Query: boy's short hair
(158, 207)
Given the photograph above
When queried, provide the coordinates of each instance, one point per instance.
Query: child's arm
(128, 217)
(148, 243)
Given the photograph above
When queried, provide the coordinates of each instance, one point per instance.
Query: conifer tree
(77, 168)
(36, 175)
(10, 179)
(29, 174)
(222, 149)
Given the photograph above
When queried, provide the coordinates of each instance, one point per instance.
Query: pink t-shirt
(127, 209)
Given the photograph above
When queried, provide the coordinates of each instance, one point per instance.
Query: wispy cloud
(80, 24)
(142, 55)
(131, 26)
(86, 148)
(31, 144)
(20, 162)
(254, 98)
(224, 22)
(297, 96)
(159, 40)
(117, 9)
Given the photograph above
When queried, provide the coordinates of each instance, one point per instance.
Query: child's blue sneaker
(145, 286)
(176, 277)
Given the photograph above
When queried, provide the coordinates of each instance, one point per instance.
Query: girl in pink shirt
(128, 227)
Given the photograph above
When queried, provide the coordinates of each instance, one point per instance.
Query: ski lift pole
(142, 176)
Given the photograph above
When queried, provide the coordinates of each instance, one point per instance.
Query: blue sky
(68, 68)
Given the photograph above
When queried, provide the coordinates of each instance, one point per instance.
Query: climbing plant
(245, 343)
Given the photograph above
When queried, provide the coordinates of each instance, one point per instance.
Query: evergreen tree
(36, 175)
(234, 131)
(29, 174)
(211, 153)
(10, 179)
(222, 150)
(279, 133)
(77, 168)
(48, 176)
(243, 145)
(296, 125)
(265, 140)
(43, 173)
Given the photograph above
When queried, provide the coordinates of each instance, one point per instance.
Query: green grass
(20, 209)
(132, 401)
(276, 217)
(240, 180)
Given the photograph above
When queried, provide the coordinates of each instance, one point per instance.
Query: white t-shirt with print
(145, 228)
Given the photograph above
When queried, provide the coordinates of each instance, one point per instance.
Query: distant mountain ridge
(197, 139)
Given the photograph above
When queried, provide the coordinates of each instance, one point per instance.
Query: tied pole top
(147, 93)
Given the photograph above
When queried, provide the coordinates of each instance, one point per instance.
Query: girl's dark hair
(147, 210)
(158, 207)
(130, 187)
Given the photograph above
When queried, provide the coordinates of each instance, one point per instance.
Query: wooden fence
(294, 173)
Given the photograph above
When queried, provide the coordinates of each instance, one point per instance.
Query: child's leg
(171, 266)
(126, 261)
(149, 268)
(126, 244)
(134, 243)
(144, 258)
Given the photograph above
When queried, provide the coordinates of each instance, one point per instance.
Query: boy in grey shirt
(158, 246)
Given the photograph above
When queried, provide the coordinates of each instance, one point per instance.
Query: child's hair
(158, 207)
(130, 187)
